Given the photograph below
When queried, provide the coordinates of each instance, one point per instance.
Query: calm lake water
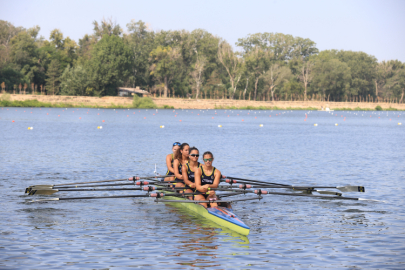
(65, 145)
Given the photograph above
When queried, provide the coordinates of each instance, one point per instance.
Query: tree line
(197, 64)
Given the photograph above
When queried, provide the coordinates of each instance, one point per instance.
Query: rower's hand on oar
(211, 193)
(205, 188)
(192, 185)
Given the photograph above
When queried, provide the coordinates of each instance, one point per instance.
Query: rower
(188, 172)
(169, 161)
(180, 159)
(207, 177)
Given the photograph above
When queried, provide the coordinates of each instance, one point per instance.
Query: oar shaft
(103, 197)
(134, 178)
(263, 192)
(94, 189)
(242, 180)
(100, 185)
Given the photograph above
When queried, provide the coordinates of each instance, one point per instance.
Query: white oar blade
(42, 191)
(351, 189)
(44, 200)
(28, 189)
(329, 192)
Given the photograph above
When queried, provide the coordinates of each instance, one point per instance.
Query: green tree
(53, 74)
(232, 64)
(257, 61)
(110, 65)
(283, 47)
(74, 82)
(275, 77)
(331, 77)
(164, 65)
(141, 42)
(7, 32)
(106, 27)
(397, 83)
(306, 75)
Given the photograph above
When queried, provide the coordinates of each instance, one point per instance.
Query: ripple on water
(286, 232)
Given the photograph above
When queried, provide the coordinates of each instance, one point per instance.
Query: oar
(52, 191)
(134, 178)
(139, 183)
(211, 201)
(312, 188)
(264, 192)
(306, 191)
(230, 178)
(155, 195)
(275, 185)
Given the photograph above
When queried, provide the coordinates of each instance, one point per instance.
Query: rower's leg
(178, 185)
(212, 196)
(201, 198)
(189, 191)
(169, 179)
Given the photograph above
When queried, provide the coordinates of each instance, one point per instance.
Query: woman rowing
(207, 177)
(169, 162)
(191, 167)
(180, 160)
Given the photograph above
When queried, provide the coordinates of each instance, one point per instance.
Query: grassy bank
(377, 108)
(141, 103)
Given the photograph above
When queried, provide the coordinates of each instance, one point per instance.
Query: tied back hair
(193, 148)
(178, 153)
(208, 153)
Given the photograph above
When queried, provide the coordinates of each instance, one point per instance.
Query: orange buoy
(103, 120)
(180, 120)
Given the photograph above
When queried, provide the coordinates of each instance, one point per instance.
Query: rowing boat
(221, 215)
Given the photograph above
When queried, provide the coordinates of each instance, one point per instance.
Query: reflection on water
(286, 232)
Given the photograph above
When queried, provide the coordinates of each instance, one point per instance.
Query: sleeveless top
(190, 173)
(207, 179)
(169, 172)
(180, 172)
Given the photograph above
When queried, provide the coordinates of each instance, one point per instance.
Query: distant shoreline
(180, 103)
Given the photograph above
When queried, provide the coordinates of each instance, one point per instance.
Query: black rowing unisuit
(207, 179)
(190, 173)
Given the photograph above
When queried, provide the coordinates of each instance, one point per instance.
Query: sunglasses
(194, 155)
(176, 143)
(208, 159)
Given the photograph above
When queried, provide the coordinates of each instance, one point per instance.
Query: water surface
(65, 145)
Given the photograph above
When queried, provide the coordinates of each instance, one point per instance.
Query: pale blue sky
(374, 27)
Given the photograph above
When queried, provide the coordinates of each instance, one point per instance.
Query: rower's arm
(197, 179)
(169, 163)
(217, 179)
(185, 177)
(176, 163)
